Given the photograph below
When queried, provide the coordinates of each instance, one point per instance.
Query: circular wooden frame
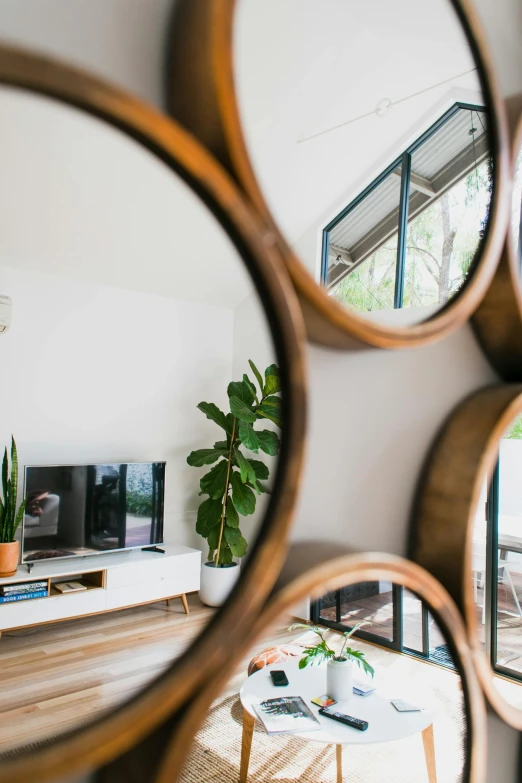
(109, 736)
(330, 575)
(465, 451)
(201, 96)
(498, 320)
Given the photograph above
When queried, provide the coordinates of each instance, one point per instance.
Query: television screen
(76, 510)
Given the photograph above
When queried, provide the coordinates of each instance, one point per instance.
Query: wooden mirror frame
(330, 575)
(201, 96)
(498, 319)
(464, 452)
(106, 737)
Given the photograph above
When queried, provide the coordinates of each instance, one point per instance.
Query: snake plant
(10, 518)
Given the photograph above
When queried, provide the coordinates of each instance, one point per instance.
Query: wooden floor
(55, 677)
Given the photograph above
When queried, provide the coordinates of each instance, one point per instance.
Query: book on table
(286, 715)
(69, 587)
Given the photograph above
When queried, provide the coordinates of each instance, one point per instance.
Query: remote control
(355, 723)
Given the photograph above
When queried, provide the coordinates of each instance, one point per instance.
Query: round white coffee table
(385, 724)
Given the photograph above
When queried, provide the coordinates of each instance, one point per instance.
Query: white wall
(98, 374)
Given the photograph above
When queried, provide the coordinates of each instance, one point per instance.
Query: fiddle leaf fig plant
(236, 478)
(10, 518)
(320, 652)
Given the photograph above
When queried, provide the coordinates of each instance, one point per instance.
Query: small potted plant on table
(232, 484)
(339, 672)
(10, 518)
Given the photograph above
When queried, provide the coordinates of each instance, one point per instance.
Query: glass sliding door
(397, 619)
(373, 602)
(506, 567)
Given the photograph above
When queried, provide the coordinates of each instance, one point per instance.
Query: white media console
(113, 581)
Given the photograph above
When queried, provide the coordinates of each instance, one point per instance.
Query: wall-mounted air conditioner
(6, 308)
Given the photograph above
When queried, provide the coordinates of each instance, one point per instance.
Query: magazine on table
(286, 715)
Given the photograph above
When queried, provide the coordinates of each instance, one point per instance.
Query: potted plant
(10, 518)
(232, 484)
(339, 671)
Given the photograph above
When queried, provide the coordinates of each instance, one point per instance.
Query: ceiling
(332, 62)
(80, 199)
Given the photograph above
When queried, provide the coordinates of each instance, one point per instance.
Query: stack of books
(23, 592)
(361, 688)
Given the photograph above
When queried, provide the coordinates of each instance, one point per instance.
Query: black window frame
(491, 587)
(403, 161)
(396, 644)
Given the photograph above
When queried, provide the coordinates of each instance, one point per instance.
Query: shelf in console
(114, 581)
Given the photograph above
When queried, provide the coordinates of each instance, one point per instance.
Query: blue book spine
(4, 599)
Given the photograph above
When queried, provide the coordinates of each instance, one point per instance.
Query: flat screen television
(78, 510)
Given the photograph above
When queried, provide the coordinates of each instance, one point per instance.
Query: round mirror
(377, 171)
(497, 321)
(370, 135)
(357, 679)
(497, 566)
(467, 531)
(516, 207)
(142, 387)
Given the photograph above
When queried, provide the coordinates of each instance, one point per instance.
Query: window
(410, 238)
(396, 618)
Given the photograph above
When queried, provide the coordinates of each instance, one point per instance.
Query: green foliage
(10, 518)
(515, 432)
(138, 504)
(320, 652)
(206, 456)
(232, 484)
(441, 246)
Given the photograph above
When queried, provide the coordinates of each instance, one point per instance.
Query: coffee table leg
(429, 752)
(339, 760)
(246, 744)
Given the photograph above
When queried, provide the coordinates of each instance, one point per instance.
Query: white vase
(216, 583)
(339, 679)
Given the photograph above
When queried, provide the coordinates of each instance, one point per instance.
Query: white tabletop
(384, 722)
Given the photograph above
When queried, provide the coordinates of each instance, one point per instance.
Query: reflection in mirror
(365, 672)
(377, 170)
(130, 307)
(497, 567)
(516, 210)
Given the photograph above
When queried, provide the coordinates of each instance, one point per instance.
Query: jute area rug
(215, 754)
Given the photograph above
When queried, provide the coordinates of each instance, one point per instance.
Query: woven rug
(215, 753)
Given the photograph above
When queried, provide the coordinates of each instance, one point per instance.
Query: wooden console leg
(339, 762)
(246, 745)
(184, 602)
(167, 601)
(429, 752)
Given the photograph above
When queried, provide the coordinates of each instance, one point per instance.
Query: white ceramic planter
(339, 679)
(216, 583)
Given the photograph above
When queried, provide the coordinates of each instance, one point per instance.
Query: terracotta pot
(8, 558)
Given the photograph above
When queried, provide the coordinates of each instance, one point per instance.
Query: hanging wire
(392, 103)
